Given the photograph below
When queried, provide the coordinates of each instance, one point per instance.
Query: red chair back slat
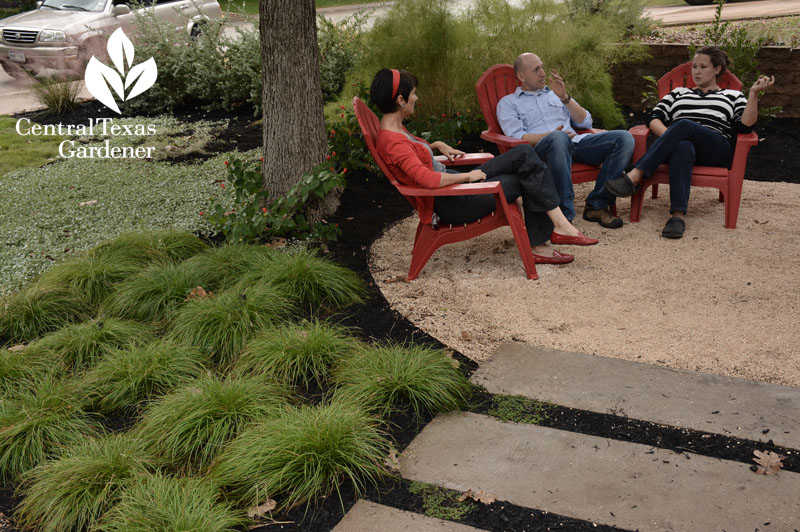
(492, 86)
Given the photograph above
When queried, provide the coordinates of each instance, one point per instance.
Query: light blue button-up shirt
(524, 112)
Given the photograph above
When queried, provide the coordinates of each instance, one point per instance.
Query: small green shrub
(70, 493)
(56, 94)
(188, 428)
(308, 279)
(156, 503)
(145, 248)
(389, 377)
(302, 454)
(91, 277)
(37, 426)
(222, 266)
(441, 503)
(520, 409)
(126, 379)
(39, 309)
(21, 369)
(82, 345)
(221, 325)
(339, 51)
(297, 353)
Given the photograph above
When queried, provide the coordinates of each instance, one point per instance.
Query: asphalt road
(15, 96)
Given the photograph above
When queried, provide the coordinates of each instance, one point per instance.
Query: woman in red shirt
(520, 171)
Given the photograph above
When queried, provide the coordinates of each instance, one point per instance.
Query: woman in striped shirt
(693, 126)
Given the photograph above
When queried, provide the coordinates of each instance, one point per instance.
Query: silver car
(64, 34)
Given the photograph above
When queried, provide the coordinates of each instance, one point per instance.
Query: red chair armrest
(464, 189)
(590, 130)
(501, 140)
(470, 159)
(639, 131)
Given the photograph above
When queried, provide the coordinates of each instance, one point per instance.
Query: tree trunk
(294, 128)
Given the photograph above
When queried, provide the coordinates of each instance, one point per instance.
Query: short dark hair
(718, 58)
(380, 92)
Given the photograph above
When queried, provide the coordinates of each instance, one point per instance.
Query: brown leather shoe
(602, 216)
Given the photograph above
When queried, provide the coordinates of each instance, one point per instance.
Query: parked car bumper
(39, 57)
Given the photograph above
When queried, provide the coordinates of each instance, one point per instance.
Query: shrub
(303, 454)
(297, 354)
(146, 248)
(21, 369)
(156, 503)
(72, 492)
(39, 309)
(339, 51)
(308, 279)
(189, 427)
(56, 94)
(91, 277)
(37, 426)
(127, 378)
(222, 266)
(84, 344)
(388, 377)
(221, 325)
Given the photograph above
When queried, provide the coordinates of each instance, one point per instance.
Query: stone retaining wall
(782, 62)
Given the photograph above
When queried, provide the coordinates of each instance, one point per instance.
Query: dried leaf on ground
(85, 203)
(259, 511)
(391, 461)
(466, 336)
(770, 462)
(18, 347)
(199, 293)
(278, 242)
(480, 496)
(450, 354)
(397, 278)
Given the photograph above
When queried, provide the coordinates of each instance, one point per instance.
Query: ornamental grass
(70, 493)
(298, 354)
(303, 454)
(188, 428)
(37, 426)
(424, 379)
(221, 325)
(146, 248)
(128, 378)
(158, 503)
(82, 345)
(37, 310)
(222, 266)
(310, 280)
(91, 277)
(22, 369)
(154, 293)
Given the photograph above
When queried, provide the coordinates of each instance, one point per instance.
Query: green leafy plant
(441, 503)
(189, 427)
(302, 454)
(57, 94)
(82, 345)
(520, 409)
(36, 426)
(70, 493)
(297, 353)
(394, 376)
(128, 378)
(221, 325)
(158, 503)
(339, 51)
(250, 218)
(39, 309)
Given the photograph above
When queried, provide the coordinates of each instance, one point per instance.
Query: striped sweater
(720, 110)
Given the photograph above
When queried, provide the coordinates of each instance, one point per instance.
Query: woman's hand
(473, 176)
(447, 151)
(761, 84)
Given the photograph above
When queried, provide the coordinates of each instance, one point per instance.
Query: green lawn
(250, 7)
(17, 151)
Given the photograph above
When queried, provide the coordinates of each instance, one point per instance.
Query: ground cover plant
(23, 151)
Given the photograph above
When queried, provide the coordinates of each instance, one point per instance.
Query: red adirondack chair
(497, 82)
(728, 181)
(429, 237)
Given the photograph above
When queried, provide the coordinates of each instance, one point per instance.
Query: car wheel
(196, 31)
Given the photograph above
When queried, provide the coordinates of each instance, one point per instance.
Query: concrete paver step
(604, 481)
(687, 399)
(367, 516)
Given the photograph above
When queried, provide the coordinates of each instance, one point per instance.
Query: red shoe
(557, 258)
(566, 240)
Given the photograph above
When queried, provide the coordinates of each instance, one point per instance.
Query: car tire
(196, 31)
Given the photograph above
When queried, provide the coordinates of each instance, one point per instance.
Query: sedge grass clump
(23, 369)
(70, 493)
(127, 378)
(310, 280)
(82, 345)
(92, 277)
(39, 309)
(154, 293)
(223, 266)
(145, 248)
(298, 354)
(394, 376)
(158, 503)
(303, 454)
(37, 426)
(188, 428)
(221, 325)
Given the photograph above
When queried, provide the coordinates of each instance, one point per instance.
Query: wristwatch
(566, 100)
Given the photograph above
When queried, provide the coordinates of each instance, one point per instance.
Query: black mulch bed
(370, 204)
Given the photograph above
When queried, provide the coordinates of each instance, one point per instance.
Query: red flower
(333, 132)
(222, 185)
(344, 170)
(333, 154)
(444, 115)
(264, 210)
(342, 115)
(226, 163)
(262, 159)
(458, 113)
(328, 158)
(332, 170)
(201, 213)
(341, 107)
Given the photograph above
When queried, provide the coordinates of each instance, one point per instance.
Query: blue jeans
(683, 144)
(611, 149)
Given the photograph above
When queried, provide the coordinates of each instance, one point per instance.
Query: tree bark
(294, 138)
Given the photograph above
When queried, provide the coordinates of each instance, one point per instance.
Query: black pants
(520, 173)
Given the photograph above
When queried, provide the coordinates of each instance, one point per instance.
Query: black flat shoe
(620, 187)
(674, 228)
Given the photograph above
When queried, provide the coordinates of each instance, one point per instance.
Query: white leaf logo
(100, 77)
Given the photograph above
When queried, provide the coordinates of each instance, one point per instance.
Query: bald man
(547, 117)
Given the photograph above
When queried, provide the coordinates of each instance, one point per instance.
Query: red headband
(395, 83)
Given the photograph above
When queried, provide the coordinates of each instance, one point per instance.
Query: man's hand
(570, 134)
(557, 84)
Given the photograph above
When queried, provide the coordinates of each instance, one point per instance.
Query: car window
(75, 5)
